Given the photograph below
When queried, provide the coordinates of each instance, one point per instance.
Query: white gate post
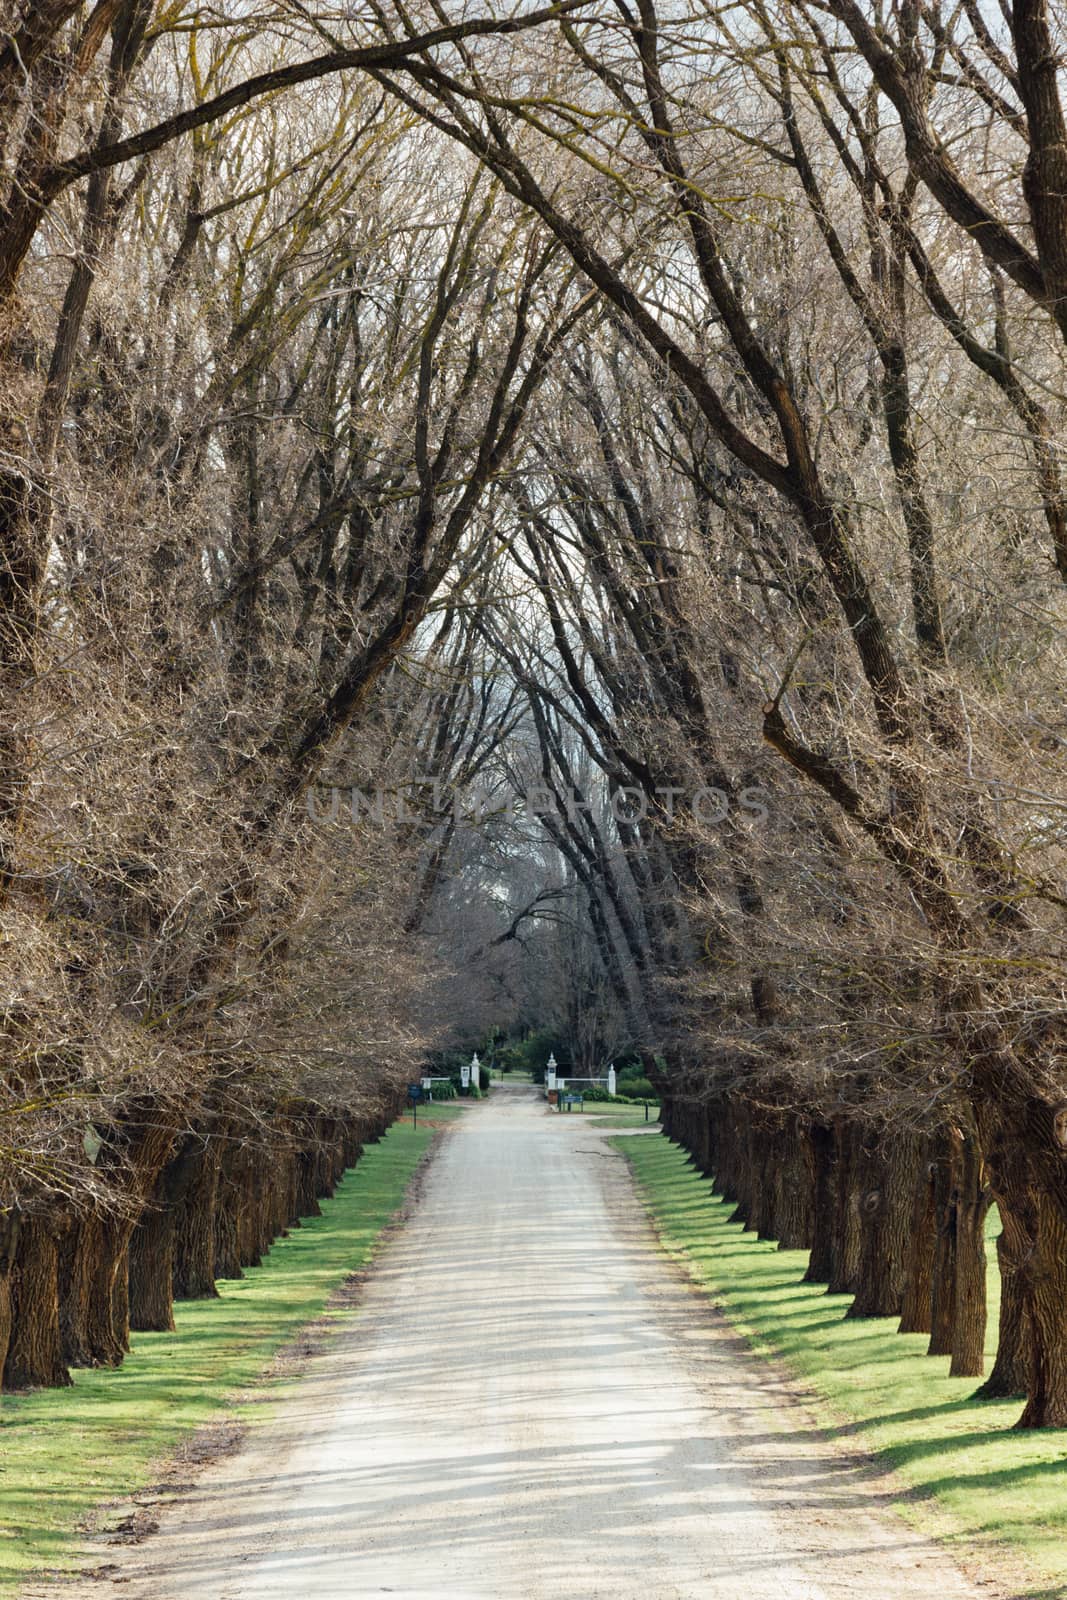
(550, 1072)
(476, 1071)
(611, 1077)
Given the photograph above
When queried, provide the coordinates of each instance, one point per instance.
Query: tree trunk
(726, 1181)
(307, 1190)
(820, 1264)
(281, 1191)
(194, 1232)
(885, 1172)
(797, 1192)
(152, 1245)
(846, 1230)
(231, 1201)
(765, 1175)
(255, 1239)
(943, 1294)
(10, 1226)
(1045, 1288)
(5, 1317)
(120, 1298)
(1010, 1377)
(745, 1169)
(708, 1125)
(245, 1208)
(916, 1310)
(34, 1355)
(969, 1322)
(91, 1256)
(152, 1272)
(1024, 1140)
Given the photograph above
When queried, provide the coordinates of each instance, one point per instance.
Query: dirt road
(532, 1403)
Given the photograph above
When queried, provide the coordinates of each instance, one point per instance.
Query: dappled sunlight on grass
(62, 1452)
(884, 1391)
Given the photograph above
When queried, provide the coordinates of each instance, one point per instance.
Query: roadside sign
(414, 1092)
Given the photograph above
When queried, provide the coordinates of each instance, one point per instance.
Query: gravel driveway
(531, 1402)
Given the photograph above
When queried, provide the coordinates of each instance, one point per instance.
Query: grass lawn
(610, 1116)
(958, 1455)
(64, 1451)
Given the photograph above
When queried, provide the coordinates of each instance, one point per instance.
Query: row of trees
(795, 529)
(258, 382)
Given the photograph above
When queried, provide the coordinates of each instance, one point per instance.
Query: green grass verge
(63, 1452)
(959, 1455)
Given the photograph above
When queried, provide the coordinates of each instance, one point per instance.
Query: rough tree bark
(10, 1226)
(885, 1172)
(151, 1256)
(943, 1292)
(820, 1265)
(916, 1309)
(195, 1225)
(796, 1188)
(34, 1354)
(92, 1260)
(969, 1322)
(845, 1264)
(1010, 1376)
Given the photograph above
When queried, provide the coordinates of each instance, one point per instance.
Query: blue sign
(414, 1092)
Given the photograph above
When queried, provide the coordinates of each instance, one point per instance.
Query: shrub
(637, 1088)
